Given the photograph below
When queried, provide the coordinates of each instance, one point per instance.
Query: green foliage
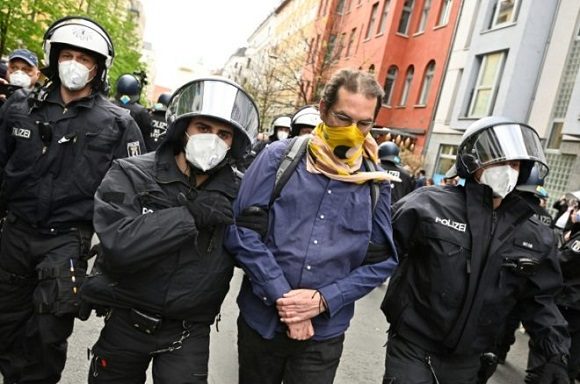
(24, 22)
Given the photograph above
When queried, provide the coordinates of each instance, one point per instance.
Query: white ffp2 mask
(502, 179)
(74, 76)
(281, 135)
(205, 150)
(20, 79)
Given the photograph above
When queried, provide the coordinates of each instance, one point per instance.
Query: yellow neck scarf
(337, 152)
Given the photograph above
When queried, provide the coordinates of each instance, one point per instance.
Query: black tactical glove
(254, 218)
(554, 371)
(208, 208)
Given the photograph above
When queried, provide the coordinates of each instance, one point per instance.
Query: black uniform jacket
(464, 266)
(154, 257)
(399, 188)
(570, 263)
(54, 156)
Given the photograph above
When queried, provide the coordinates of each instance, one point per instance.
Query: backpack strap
(375, 188)
(294, 152)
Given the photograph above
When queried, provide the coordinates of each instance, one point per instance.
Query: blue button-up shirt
(319, 232)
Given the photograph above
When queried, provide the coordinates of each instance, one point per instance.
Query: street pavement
(362, 361)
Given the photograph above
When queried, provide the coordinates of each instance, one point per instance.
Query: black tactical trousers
(285, 360)
(38, 299)
(179, 350)
(407, 363)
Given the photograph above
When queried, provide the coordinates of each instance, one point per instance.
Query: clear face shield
(503, 142)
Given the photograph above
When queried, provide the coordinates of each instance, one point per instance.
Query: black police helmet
(389, 151)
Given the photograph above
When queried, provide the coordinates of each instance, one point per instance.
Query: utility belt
(56, 229)
(147, 322)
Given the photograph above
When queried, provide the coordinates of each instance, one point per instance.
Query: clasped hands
(296, 309)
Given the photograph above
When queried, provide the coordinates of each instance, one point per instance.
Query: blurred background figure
(127, 94)
(304, 121)
(391, 163)
(21, 71)
(158, 121)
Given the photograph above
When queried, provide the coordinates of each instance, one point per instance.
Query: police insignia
(575, 247)
(133, 149)
(21, 132)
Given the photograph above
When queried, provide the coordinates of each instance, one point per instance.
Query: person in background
(469, 256)
(21, 71)
(304, 121)
(158, 121)
(56, 144)
(420, 179)
(128, 91)
(391, 162)
(305, 258)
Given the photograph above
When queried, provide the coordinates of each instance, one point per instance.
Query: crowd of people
(316, 214)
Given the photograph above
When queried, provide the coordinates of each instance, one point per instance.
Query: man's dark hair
(354, 81)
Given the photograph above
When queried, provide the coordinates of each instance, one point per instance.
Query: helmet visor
(504, 143)
(217, 99)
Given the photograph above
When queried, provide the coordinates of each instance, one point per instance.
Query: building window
(372, 68)
(485, 89)
(340, 7)
(350, 42)
(407, 86)
(390, 84)
(444, 13)
(329, 55)
(562, 174)
(372, 20)
(504, 12)
(556, 135)
(310, 51)
(383, 22)
(445, 159)
(406, 17)
(424, 16)
(427, 81)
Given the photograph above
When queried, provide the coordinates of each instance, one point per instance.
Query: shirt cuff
(333, 297)
(271, 291)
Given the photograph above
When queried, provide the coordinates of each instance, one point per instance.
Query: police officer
(128, 91)
(161, 219)
(532, 190)
(469, 255)
(304, 121)
(391, 162)
(280, 131)
(569, 303)
(158, 121)
(56, 144)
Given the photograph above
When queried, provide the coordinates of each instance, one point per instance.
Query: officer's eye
(224, 135)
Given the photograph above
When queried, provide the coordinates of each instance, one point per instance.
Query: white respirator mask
(502, 179)
(205, 150)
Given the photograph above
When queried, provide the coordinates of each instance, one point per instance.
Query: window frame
(409, 74)
(496, 13)
(444, 13)
(383, 21)
(372, 20)
(424, 17)
(426, 83)
(408, 7)
(493, 87)
(390, 79)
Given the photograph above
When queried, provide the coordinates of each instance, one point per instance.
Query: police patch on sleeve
(133, 149)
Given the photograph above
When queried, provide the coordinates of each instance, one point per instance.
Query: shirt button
(265, 298)
(308, 267)
(329, 191)
(315, 241)
(322, 217)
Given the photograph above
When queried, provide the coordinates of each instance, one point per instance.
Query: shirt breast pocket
(448, 259)
(93, 159)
